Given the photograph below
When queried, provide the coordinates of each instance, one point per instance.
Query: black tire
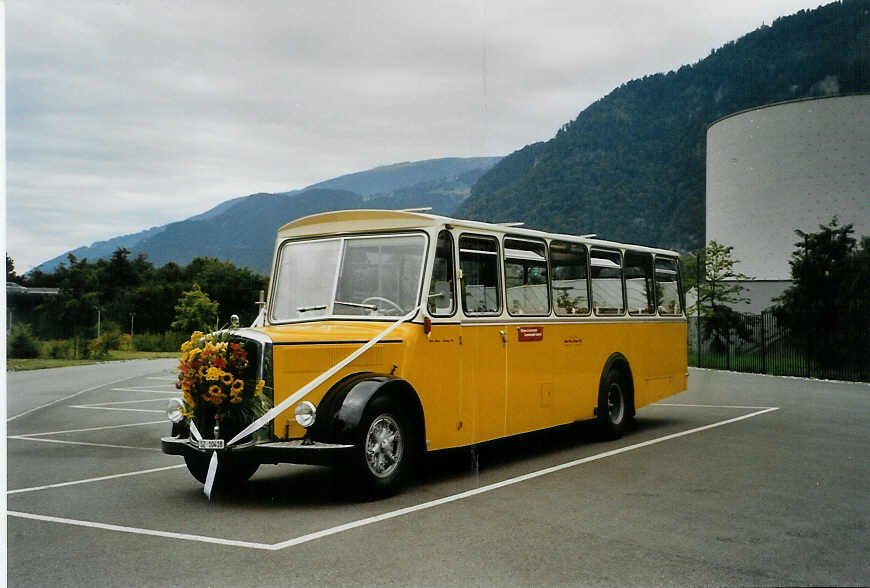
(384, 449)
(615, 410)
(231, 473)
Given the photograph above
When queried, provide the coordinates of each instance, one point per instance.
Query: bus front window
(352, 276)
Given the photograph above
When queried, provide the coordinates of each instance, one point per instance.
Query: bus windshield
(348, 276)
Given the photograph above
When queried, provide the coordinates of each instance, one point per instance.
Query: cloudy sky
(123, 115)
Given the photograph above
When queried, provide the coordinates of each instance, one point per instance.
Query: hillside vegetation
(631, 166)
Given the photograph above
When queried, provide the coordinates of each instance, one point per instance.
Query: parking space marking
(114, 402)
(138, 531)
(80, 392)
(163, 422)
(145, 390)
(90, 480)
(118, 409)
(22, 438)
(403, 511)
(162, 378)
(708, 406)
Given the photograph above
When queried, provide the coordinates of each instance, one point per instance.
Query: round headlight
(173, 410)
(305, 413)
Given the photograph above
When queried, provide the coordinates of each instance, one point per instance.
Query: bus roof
(373, 220)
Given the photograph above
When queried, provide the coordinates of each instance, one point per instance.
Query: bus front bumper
(299, 451)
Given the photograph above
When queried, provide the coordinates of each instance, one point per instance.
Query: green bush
(21, 342)
(58, 349)
(168, 341)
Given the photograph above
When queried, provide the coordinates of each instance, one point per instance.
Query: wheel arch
(617, 361)
(342, 408)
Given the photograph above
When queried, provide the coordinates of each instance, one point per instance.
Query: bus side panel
(531, 393)
(658, 360)
(436, 375)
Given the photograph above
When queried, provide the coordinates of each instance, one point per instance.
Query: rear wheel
(383, 456)
(614, 404)
(231, 473)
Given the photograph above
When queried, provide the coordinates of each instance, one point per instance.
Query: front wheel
(614, 404)
(384, 450)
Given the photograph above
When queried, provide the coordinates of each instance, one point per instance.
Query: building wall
(792, 165)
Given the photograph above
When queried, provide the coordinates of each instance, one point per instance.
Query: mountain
(631, 166)
(388, 178)
(242, 229)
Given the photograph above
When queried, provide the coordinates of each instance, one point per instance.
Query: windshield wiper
(357, 305)
(307, 308)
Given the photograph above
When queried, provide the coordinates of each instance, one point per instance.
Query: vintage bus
(473, 332)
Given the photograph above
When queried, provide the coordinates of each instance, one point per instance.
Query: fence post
(728, 349)
(763, 345)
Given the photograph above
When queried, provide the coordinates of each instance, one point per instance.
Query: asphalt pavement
(741, 480)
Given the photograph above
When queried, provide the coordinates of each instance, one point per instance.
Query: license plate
(211, 444)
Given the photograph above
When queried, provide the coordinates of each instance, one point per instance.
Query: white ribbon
(293, 398)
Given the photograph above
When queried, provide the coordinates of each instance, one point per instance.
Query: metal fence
(758, 343)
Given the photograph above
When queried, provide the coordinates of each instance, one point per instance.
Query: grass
(17, 365)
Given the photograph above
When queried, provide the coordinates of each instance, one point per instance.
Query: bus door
(530, 351)
(484, 344)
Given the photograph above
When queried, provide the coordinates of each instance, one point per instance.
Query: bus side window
(441, 300)
(607, 295)
(525, 276)
(667, 287)
(639, 283)
(570, 278)
(478, 261)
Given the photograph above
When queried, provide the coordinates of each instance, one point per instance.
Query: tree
(826, 307)
(10, 270)
(717, 293)
(195, 311)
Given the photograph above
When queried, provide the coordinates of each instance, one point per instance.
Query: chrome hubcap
(384, 446)
(614, 403)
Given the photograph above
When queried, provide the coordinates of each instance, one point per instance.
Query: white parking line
(163, 422)
(21, 438)
(114, 402)
(89, 480)
(163, 378)
(120, 409)
(146, 391)
(53, 402)
(400, 512)
(137, 531)
(708, 406)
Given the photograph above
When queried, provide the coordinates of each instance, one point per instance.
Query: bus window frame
(341, 237)
(555, 306)
(454, 260)
(681, 296)
(548, 283)
(618, 252)
(651, 304)
(498, 271)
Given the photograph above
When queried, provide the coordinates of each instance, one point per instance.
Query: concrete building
(786, 166)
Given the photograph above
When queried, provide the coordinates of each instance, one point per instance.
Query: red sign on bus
(530, 333)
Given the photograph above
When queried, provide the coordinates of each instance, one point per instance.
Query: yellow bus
(469, 332)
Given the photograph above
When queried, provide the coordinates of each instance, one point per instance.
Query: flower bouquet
(215, 389)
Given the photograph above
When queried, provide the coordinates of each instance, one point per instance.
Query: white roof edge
(435, 220)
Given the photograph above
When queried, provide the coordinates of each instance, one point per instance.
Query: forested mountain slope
(631, 166)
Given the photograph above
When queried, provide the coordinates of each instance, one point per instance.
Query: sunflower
(227, 378)
(238, 386)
